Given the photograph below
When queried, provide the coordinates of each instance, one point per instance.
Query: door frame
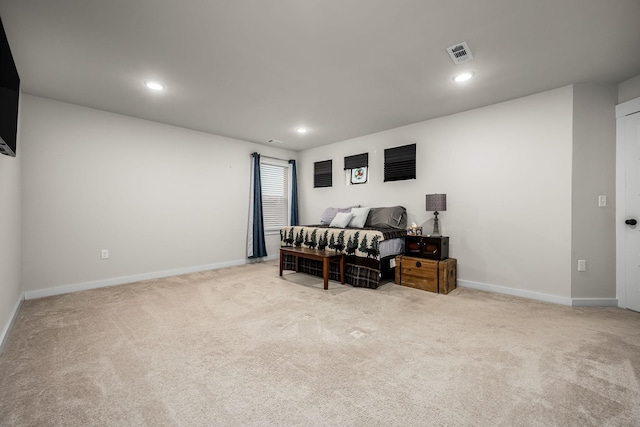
(622, 110)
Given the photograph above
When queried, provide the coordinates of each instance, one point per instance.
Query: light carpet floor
(243, 347)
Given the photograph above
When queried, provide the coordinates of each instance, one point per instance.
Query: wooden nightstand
(429, 275)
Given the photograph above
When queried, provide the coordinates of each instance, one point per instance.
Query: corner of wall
(12, 319)
(629, 89)
(593, 175)
(11, 235)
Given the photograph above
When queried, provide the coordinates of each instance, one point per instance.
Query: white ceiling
(256, 70)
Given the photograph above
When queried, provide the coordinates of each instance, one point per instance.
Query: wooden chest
(426, 274)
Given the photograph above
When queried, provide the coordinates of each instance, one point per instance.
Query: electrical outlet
(582, 265)
(104, 254)
(602, 201)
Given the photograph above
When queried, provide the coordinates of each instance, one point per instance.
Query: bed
(370, 238)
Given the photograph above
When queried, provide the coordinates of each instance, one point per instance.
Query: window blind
(275, 201)
(400, 163)
(322, 174)
(357, 161)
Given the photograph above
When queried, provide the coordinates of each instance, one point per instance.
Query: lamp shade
(436, 202)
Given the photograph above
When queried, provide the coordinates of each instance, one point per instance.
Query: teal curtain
(256, 245)
(294, 194)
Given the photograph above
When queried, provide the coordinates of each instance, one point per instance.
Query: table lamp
(435, 203)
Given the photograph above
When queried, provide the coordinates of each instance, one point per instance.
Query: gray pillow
(330, 213)
(394, 217)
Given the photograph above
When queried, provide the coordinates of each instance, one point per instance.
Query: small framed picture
(414, 231)
(359, 175)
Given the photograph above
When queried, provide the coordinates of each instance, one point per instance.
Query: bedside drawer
(429, 247)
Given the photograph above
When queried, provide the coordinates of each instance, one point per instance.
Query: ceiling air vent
(274, 141)
(460, 53)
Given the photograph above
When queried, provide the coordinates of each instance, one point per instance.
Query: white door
(630, 232)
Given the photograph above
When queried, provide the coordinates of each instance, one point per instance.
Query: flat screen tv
(9, 97)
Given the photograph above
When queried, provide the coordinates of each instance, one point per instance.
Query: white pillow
(341, 220)
(330, 213)
(359, 217)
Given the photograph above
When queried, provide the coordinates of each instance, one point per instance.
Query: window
(275, 194)
(322, 174)
(357, 161)
(356, 168)
(400, 163)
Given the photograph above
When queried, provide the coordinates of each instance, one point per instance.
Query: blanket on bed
(359, 242)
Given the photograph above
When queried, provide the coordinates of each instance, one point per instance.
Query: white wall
(506, 170)
(10, 245)
(594, 171)
(629, 89)
(165, 199)
(158, 197)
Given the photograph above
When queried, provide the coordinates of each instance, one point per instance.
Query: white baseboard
(60, 290)
(263, 259)
(66, 289)
(516, 292)
(555, 299)
(9, 325)
(594, 302)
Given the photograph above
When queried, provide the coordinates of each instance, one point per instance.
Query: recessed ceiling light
(302, 130)
(154, 85)
(463, 77)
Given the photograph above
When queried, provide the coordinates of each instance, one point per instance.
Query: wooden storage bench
(319, 255)
(426, 274)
